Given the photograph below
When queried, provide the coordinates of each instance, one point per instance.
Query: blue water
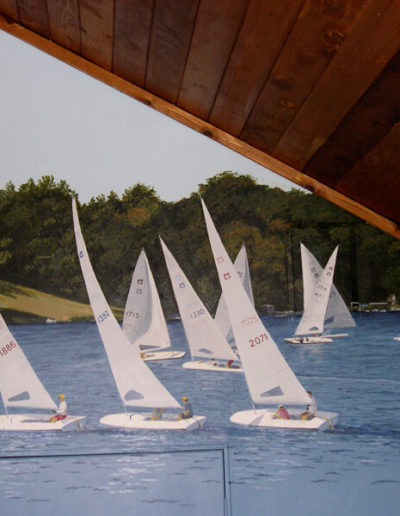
(351, 470)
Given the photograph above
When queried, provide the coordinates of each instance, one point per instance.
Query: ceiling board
(315, 38)
(131, 41)
(366, 51)
(308, 89)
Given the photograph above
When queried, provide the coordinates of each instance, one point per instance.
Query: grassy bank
(19, 304)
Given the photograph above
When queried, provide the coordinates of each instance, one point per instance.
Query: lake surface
(353, 469)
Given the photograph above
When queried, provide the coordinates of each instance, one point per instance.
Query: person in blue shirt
(187, 409)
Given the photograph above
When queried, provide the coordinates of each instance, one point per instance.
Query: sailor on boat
(187, 409)
(61, 412)
(310, 409)
(157, 413)
(281, 413)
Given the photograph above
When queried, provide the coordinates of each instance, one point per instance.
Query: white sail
(19, 384)
(221, 315)
(317, 303)
(137, 385)
(269, 378)
(203, 335)
(144, 321)
(337, 313)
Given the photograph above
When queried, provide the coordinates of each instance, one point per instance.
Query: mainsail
(317, 303)
(221, 315)
(144, 321)
(137, 385)
(203, 335)
(337, 313)
(269, 378)
(19, 384)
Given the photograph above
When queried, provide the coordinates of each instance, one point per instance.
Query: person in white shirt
(61, 412)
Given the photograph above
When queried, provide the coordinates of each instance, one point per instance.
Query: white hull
(38, 422)
(396, 338)
(162, 355)
(308, 340)
(208, 366)
(263, 418)
(140, 421)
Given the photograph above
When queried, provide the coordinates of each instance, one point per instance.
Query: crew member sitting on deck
(187, 409)
(61, 412)
(310, 409)
(157, 413)
(281, 413)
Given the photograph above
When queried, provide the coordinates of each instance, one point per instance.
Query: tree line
(37, 246)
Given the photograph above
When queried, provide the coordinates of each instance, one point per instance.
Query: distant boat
(221, 315)
(324, 308)
(269, 378)
(208, 347)
(49, 320)
(144, 321)
(20, 387)
(137, 385)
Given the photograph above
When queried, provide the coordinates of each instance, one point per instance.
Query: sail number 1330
(257, 340)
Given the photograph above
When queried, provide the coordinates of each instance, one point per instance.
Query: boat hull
(308, 340)
(38, 422)
(140, 421)
(150, 356)
(263, 418)
(203, 364)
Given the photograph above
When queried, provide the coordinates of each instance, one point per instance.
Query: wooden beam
(171, 33)
(315, 38)
(132, 27)
(64, 23)
(215, 30)
(97, 24)
(201, 126)
(261, 37)
(10, 8)
(361, 58)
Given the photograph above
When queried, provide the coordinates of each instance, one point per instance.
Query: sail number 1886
(257, 340)
(7, 348)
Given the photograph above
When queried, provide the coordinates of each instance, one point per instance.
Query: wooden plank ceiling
(307, 88)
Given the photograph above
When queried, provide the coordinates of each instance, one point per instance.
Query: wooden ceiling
(308, 88)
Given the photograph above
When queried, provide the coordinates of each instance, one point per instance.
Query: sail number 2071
(257, 340)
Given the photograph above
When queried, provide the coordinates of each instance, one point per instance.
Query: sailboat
(269, 378)
(20, 387)
(205, 340)
(137, 385)
(144, 321)
(241, 265)
(330, 311)
(337, 314)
